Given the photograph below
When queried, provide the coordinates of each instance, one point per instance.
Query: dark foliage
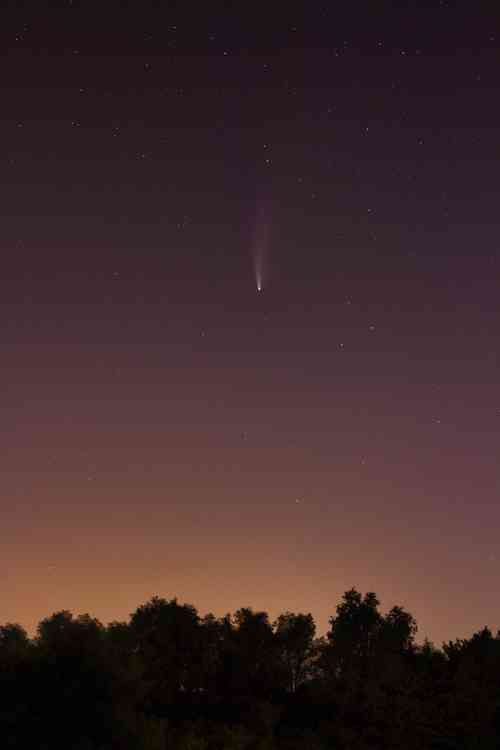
(168, 679)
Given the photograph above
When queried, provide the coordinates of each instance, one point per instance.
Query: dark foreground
(168, 679)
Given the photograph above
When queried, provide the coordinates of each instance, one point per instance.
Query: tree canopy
(168, 678)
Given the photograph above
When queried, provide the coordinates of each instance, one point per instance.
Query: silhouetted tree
(14, 643)
(256, 655)
(83, 686)
(168, 639)
(474, 695)
(295, 638)
(18, 686)
(352, 637)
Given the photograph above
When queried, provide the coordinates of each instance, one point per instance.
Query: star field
(168, 430)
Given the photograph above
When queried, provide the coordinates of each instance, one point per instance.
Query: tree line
(169, 679)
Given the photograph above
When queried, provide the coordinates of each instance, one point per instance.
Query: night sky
(168, 429)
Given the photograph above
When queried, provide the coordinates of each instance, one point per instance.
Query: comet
(258, 279)
(260, 247)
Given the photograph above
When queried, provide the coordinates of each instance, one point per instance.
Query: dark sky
(166, 428)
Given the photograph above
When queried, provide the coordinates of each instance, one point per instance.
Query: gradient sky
(168, 430)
